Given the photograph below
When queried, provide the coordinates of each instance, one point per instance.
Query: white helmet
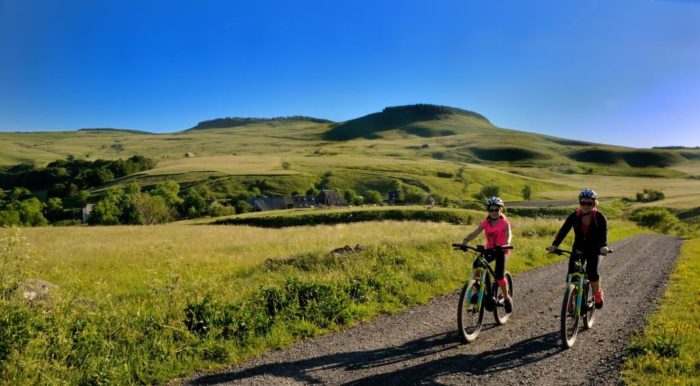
(495, 201)
(588, 193)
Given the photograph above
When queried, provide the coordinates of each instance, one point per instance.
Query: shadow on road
(449, 361)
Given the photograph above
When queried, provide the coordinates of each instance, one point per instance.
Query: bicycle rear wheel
(569, 319)
(469, 316)
(589, 301)
(499, 311)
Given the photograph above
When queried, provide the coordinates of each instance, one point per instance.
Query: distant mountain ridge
(110, 129)
(220, 123)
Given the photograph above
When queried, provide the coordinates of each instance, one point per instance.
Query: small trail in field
(421, 345)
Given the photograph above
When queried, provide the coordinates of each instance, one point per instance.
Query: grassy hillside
(435, 150)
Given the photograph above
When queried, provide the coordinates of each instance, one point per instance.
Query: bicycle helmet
(587, 193)
(495, 201)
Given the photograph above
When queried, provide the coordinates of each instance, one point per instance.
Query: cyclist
(497, 232)
(590, 237)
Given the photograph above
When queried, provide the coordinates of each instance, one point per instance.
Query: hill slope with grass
(423, 149)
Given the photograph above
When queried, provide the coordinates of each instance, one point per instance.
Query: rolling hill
(437, 150)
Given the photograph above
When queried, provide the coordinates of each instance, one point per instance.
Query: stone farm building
(325, 197)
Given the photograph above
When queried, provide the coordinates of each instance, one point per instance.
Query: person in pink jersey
(496, 229)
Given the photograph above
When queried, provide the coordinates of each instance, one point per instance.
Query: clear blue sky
(623, 72)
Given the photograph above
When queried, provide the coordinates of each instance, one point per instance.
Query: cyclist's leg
(592, 262)
(500, 279)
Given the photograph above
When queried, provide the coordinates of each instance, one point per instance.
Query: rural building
(329, 197)
(326, 197)
(86, 212)
(272, 203)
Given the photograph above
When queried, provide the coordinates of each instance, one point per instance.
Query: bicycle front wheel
(569, 319)
(469, 315)
(589, 301)
(499, 311)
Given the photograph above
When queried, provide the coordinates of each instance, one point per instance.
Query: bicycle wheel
(499, 311)
(589, 303)
(569, 319)
(469, 316)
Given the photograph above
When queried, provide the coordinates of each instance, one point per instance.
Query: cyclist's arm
(473, 235)
(603, 224)
(509, 234)
(568, 224)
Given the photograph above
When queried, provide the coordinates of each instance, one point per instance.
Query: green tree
(30, 212)
(489, 191)
(349, 196)
(152, 209)
(243, 207)
(170, 191)
(107, 211)
(527, 192)
(373, 197)
(196, 201)
(9, 217)
(54, 209)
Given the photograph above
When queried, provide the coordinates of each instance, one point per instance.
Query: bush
(650, 195)
(660, 219)
(489, 191)
(373, 197)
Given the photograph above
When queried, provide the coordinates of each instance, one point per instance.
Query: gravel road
(421, 345)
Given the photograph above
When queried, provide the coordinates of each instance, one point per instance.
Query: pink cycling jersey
(496, 233)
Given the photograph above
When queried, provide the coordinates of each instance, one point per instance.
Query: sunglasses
(494, 210)
(586, 203)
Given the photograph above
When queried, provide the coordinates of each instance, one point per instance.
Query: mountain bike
(578, 300)
(480, 293)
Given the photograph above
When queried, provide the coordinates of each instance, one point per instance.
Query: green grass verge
(668, 351)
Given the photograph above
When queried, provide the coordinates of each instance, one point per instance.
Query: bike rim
(570, 321)
(470, 316)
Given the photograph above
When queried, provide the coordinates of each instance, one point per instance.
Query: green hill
(426, 149)
(411, 119)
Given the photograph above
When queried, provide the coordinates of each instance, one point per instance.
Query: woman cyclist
(497, 232)
(590, 237)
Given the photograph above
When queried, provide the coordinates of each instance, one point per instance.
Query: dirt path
(421, 346)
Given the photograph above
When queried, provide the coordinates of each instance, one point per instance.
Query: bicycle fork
(481, 275)
(578, 280)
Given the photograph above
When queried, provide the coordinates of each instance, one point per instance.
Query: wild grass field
(147, 304)
(668, 351)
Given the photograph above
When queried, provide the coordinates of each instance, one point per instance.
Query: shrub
(489, 191)
(660, 219)
(650, 195)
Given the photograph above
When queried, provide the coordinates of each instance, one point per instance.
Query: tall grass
(147, 304)
(668, 351)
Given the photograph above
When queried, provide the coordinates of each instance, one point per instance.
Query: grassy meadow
(147, 304)
(668, 351)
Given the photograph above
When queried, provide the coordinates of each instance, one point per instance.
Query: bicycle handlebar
(478, 248)
(565, 252)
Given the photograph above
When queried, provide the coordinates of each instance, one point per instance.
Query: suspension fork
(479, 275)
(578, 280)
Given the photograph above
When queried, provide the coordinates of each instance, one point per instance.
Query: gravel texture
(421, 345)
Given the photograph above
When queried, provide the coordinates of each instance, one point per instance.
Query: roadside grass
(667, 352)
(148, 304)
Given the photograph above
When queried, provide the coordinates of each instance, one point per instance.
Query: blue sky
(623, 72)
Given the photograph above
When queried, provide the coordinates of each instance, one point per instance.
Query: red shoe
(598, 296)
